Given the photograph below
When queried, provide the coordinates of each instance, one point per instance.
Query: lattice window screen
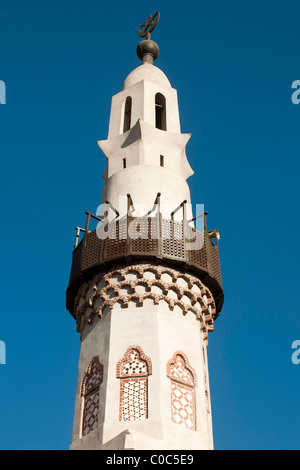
(133, 370)
(90, 392)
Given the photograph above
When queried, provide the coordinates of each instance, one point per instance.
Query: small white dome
(146, 72)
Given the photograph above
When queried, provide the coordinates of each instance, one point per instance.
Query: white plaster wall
(143, 183)
(149, 71)
(95, 342)
(116, 121)
(183, 333)
(143, 145)
(159, 332)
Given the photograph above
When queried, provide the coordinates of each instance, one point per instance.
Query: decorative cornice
(105, 291)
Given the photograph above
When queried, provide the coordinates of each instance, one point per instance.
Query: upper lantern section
(146, 95)
(145, 149)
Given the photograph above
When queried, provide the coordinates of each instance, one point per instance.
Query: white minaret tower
(145, 285)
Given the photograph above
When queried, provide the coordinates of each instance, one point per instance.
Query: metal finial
(147, 50)
(146, 28)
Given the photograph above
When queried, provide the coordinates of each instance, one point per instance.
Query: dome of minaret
(147, 72)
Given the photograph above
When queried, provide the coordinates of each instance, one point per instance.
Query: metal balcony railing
(147, 239)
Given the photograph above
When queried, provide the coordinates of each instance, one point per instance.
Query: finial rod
(148, 50)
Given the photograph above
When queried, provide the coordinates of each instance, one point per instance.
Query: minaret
(145, 285)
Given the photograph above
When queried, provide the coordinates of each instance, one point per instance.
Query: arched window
(90, 393)
(183, 383)
(160, 112)
(133, 370)
(127, 114)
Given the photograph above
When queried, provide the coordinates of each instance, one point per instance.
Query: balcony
(131, 240)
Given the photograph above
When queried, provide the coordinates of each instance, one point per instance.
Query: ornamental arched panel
(133, 371)
(90, 388)
(183, 382)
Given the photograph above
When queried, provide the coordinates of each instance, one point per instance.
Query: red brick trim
(126, 359)
(183, 400)
(172, 364)
(106, 290)
(133, 370)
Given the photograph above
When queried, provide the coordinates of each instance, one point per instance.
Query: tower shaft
(145, 285)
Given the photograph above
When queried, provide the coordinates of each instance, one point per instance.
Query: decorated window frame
(183, 398)
(90, 393)
(133, 371)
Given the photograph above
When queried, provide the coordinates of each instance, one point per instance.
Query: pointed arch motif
(183, 383)
(90, 388)
(133, 371)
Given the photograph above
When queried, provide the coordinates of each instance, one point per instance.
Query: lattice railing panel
(92, 250)
(142, 235)
(172, 239)
(116, 241)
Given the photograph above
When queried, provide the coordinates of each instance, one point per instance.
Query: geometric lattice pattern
(133, 399)
(90, 412)
(90, 393)
(183, 381)
(183, 405)
(133, 370)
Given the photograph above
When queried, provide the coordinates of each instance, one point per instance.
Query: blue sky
(233, 64)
